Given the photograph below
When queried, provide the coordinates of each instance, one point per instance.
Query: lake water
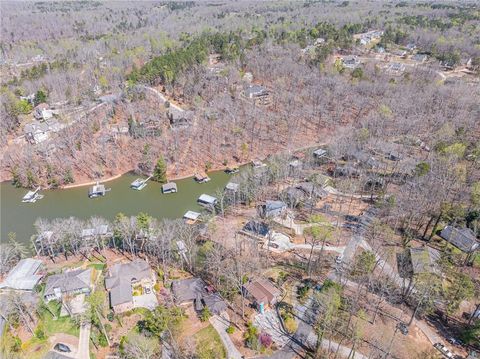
(19, 217)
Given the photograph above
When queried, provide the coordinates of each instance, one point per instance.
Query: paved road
(84, 342)
(339, 250)
(221, 323)
(160, 96)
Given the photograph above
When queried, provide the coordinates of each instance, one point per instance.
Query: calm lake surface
(19, 217)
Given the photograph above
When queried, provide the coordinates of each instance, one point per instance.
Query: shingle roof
(258, 228)
(232, 186)
(186, 290)
(464, 239)
(205, 198)
(69, 281)
(424, 260)
(23, 276)
(262, 290)
(119, 283)
(191, 215)
(194, 290)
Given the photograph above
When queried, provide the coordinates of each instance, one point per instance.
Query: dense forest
(95, 49)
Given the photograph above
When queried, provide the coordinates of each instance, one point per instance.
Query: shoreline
(177, 178)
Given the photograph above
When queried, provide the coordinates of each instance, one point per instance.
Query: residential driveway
(268, 322)
(339, 249)
(148, 301)
(70, 340)
(221, 323)
(84, 342)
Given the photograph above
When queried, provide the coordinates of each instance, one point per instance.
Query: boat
(32, 196)
(232, 171)
(97, 191)
(139, 183)
(201, 178)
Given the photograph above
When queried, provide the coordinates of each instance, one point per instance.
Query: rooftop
(207, 199)
(231, 186)
(23, 276)
(121, 276)
(191, 215)
(464, 238)
(262, 290)
(68, 281)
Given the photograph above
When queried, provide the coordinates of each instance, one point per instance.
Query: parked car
(147, 290)
(443, 349)
(59, 347)
(454, 341)
(339, 259)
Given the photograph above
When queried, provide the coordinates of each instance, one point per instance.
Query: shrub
(266, 340)
(251, 337)
(16, 345)
(290, 325)
(230, 329)
(205, 315)
(303, 291)
(102, 341)
(40, 332)
(110, 316)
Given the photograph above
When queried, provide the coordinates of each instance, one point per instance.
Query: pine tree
(160, 171)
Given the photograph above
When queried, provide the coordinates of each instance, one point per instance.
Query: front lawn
(209, 344)
(59, 324)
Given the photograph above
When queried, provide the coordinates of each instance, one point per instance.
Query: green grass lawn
(209, 344)
(53, 325)
(97, 266)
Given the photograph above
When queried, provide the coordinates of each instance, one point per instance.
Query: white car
(443, 349)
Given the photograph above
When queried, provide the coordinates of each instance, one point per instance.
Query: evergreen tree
(160, 171)
(40, 97)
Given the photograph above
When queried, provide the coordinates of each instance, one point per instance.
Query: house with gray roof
(121, 280)
(24, 276)
(462, 238)
(68, 283)
(271, 209)
(424, 260)
(255, 91)
(195, 291)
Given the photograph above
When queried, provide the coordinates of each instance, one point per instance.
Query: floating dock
(139, 183)
(232, 171)
(201, 178)
(191, 217)
(97, 191)
(170, 187)
(32, 196)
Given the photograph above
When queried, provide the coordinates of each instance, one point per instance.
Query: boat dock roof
(207, 199)
(191, 215)
(170, 186)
